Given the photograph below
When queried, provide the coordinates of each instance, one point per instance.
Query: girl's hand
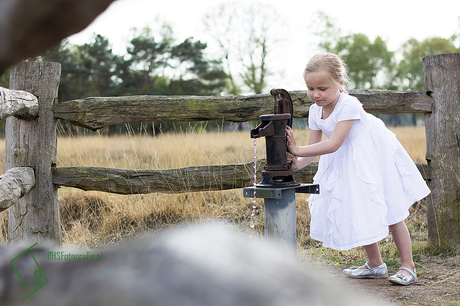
(292, 160)
(291, 143)
(289, 157)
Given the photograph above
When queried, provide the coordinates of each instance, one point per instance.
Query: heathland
(97, 219)
(92, 219)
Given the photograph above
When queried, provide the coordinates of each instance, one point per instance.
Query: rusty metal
(284, 105)
(277, 172)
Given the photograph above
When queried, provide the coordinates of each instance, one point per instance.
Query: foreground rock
(193, 265)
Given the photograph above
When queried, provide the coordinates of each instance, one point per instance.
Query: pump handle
(284, 105)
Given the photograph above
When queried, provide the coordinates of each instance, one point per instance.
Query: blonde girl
(367, 180)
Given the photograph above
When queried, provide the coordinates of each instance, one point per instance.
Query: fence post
(442, 83)
(32, 143)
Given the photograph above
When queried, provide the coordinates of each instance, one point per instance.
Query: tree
(409, 73)
(366, 60)
(153, 64)
(86, 70)
(245, 35)
(98, 65)
(257, 49)
(219, 24)
(323, 26)
(73, 83)
(147, 57)
(196, 75)
(369, 62)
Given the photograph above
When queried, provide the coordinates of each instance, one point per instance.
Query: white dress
(368, 184)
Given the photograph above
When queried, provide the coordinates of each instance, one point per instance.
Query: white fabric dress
(368, 184)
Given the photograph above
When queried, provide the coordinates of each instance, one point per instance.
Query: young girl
(367, 180)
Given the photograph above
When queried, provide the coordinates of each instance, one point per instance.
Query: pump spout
(264, 129)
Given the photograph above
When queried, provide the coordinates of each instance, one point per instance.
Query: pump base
(277, 179)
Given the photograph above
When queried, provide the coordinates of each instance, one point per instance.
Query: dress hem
(355, 245)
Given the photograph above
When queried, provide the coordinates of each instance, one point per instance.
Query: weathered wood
(140, 181)
(28, 28)
(18, 103)
(33, 144)
(442, 82)
(203, 178)
(14, 184)
(378, 101)
(95, 113)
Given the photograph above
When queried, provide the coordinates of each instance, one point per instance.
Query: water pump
(277, 172)
(278, 187)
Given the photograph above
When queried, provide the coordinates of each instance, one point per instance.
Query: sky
(395, 21)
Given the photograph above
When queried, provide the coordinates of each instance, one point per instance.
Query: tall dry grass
(413, 140)
(91, 219)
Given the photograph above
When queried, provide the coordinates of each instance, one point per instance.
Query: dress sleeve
(313, 118)
(350, 109)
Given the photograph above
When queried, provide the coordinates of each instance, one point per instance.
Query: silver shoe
(376, 272)
(402, 279)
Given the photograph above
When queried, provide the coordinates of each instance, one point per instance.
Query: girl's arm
(330, 145)
(297, 161)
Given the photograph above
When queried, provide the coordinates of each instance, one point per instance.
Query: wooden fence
(31, 143)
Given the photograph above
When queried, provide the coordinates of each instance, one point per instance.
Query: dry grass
(413, 140)
(91, 219)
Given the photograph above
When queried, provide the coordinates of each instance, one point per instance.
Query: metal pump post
(278, 186)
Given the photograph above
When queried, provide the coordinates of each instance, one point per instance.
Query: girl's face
(322, 91)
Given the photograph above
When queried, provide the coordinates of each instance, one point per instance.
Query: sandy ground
(438, 283)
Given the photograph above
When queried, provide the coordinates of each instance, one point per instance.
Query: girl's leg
(375, 267)
(402, 240)
(373, 255)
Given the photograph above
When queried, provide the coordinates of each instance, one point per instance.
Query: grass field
(95, 219)
(92, 219)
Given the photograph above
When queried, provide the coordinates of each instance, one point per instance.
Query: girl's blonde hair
(328, 65)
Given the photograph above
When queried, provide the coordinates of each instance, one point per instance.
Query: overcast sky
(394, 20)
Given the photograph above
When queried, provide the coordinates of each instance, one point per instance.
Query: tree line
(372, 65)
(156, 64)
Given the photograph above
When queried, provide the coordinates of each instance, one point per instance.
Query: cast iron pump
(277, 172)
(278, 187)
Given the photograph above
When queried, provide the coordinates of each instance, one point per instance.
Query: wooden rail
(18, 103)
(96, 113)
(15, 183)
(203, 178)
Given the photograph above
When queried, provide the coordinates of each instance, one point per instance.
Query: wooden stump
(32, 143)
(442, 83)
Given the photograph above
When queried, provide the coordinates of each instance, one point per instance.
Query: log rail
(188, 179)
(96, 113)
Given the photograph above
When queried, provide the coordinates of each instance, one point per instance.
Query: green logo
(39, 277)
